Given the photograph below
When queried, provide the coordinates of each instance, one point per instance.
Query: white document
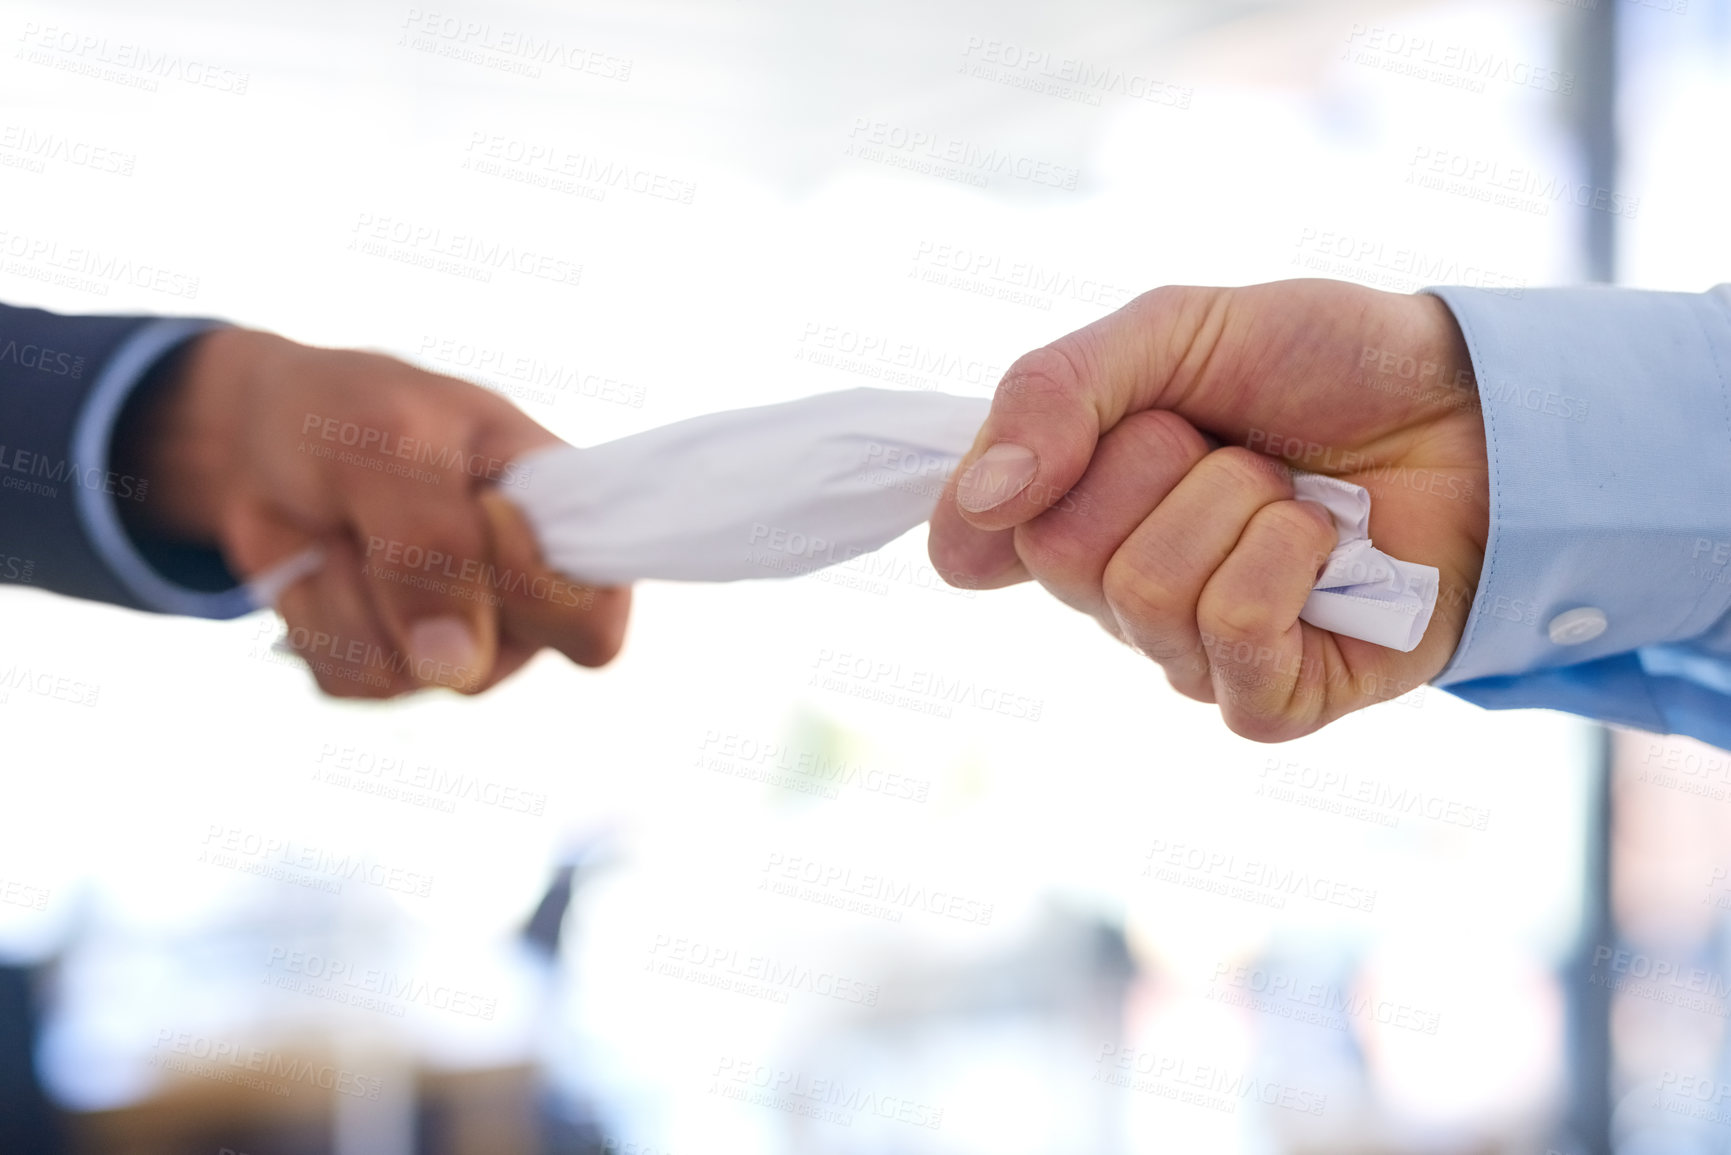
(783, 490)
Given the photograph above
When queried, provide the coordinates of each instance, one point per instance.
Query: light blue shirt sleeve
(1607, 577)
(92, 440)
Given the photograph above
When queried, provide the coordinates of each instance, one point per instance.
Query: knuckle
(1236, 468)
(1235, 620)
(435, 540)
(1159, 305)
(1133, 595)
(1297, 526)
(1050, 377)
(389, 409)
(1150, 612)
(1161, 435)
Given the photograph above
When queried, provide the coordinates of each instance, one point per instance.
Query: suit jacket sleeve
(65, 383)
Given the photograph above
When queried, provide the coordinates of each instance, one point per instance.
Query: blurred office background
(769, 884)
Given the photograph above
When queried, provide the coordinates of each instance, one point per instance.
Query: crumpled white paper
(783, 490)
(1362, 592)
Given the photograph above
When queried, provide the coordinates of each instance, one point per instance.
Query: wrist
(1422, 357)
(179, 431)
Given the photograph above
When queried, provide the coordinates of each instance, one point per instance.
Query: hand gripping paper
(783, 490)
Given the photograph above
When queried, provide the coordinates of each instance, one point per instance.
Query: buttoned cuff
(98, 513)
(1608, 432)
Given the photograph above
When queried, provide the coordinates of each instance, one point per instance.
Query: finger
(1137, 463)
(1155, 579)
(1054, 403)
(585, 623)
(1270, 671)
(426, 568)
(333, 627)
(970, 558)
(256, 541)
(330, 622)
(591, 633)
(537, 607)
(512, 657)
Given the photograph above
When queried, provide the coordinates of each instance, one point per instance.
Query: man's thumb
(1055, 403)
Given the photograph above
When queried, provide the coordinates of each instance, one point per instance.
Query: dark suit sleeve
(65, 386)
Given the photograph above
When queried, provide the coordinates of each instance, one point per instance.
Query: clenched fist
(1139, 469)
(262, 448)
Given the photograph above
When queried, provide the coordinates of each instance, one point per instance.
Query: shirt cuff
(92, 439)
(1608, 433)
